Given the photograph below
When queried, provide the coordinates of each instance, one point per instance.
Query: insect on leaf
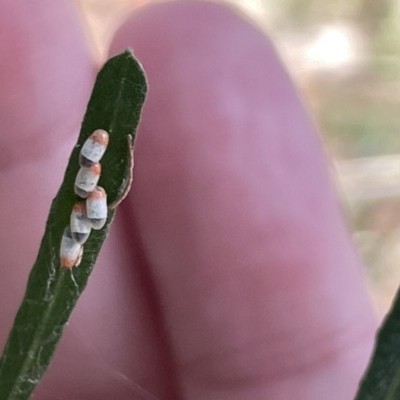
(52, 291)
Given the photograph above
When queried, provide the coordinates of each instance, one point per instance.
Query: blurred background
(344, 57)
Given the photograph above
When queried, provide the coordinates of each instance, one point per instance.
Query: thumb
(259, 286)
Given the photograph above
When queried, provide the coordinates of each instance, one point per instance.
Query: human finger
(259, 286)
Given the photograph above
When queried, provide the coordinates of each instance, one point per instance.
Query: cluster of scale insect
(90, 212)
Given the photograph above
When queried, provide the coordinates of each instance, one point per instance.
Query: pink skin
(228, 273)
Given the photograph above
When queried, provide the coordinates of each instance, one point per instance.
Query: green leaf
(52, 290)
(382, 378)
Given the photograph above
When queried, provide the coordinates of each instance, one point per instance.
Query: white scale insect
(80, 225)
(93, 212)
(70, 250)
(94, 148)
(86, 179)
(96, 207)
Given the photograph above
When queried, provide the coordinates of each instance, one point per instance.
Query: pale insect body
(86, 179)
(91, 214)
(80, 225)
(96, 207)
(94, 148)
(70, 251)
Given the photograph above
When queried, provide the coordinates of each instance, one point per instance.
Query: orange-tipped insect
(94, 148)
(80, 225)
(96, 207)
(86, 179)
(70, 251)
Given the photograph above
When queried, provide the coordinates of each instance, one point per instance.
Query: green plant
(52, 291)
(382, 378)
